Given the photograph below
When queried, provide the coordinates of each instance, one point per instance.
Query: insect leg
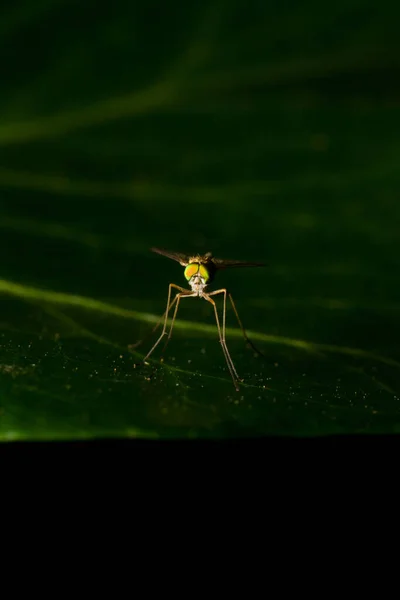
(169, 305)
(156, 326)
(229, 362)
(178, 297)
(246, 337)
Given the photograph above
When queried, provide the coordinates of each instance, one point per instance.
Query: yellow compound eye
(191, 270)
(196, 268)
(204, 273)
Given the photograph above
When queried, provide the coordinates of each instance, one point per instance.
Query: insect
(199, 273)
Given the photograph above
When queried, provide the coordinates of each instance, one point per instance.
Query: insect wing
(183, 259)
(221, 263)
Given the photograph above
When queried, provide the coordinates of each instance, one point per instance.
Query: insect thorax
(197, 284)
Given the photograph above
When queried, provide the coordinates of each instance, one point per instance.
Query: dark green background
(260, 131)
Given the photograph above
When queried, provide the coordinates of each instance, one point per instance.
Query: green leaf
(260, 133)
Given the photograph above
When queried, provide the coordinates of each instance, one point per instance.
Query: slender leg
(169, 305)
(156, 326)
(229, 362)
(178, 297)
(248, 340)
(223, 291)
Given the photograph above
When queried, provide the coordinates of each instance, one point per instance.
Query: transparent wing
(183, 259)
(221, 263)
